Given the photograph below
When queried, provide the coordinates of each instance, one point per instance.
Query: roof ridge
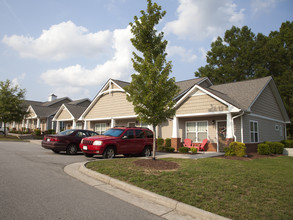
(242, 81)
(190, 79)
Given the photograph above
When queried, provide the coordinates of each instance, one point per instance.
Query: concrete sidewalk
(159, 205)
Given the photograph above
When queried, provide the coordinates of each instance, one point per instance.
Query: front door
(221, 135)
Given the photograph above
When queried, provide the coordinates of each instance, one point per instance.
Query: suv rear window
(149, 134)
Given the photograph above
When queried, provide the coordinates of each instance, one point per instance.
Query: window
(149, 134)
(197, 130)
(276, 127)
(254, 132)
(100, 128)
(79, 125)
(139, 134)
(129, 134)
(131, 124)
(80, 134)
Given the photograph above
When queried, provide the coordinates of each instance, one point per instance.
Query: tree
(11, 103)
(151, 91)
(243, 55)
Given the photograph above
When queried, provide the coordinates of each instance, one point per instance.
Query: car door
(140, 140)
(127, 142)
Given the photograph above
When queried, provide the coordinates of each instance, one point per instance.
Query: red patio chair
(187, 143)
(202, 145)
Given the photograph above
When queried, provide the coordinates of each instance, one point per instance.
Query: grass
(256, 189)
(10, 138)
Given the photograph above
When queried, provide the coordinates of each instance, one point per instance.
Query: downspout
(234, 136)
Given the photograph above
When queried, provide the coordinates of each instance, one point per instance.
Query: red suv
(119, 140)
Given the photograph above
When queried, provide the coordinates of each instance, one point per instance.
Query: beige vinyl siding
(267, 105)
(200, 104)
(111, 105)
(266, 129)
(31, 114)
(64, 115)
(165, 130)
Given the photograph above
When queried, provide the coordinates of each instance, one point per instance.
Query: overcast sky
(72, 47)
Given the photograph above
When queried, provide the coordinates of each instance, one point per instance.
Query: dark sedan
(67, 140)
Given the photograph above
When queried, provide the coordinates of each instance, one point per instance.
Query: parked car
(1, 130)
(67, 140)
(119, 140)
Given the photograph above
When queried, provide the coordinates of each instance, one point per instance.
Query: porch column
(52, 125)
(229, 131)
(23, 123)
(57, 127)
(113, 122)
(74, 124)
(85, 125)
(175, 140)
(13, 124)
(27, 124)
(175, 127)
(38, 123)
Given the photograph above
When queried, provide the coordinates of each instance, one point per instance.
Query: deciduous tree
(151, 90)
(11, 103)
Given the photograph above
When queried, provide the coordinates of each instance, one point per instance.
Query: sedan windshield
(114, 132)
(66, 132)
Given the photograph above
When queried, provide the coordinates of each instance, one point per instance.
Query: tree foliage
(11, 103)
(243, 55)
(151, 90)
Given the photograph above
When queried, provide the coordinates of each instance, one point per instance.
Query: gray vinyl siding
(266, 129)
(267, 105)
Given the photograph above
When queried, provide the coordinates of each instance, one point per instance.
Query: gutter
(234, 136)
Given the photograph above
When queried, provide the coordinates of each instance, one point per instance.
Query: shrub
(235, 148)
(287, 143)
(51, 131)
(183, 149)
(169, 149)
(263, 149)
(37, 132)
(193, 150)
(167, 142)
(279, 147)
(160, 141)
(161, 148)
(229, 151)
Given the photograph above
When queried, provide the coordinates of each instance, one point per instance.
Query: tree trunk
(154, 142)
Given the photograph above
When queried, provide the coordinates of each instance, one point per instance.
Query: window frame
(100, 131)
(253, 131)
(196, 130)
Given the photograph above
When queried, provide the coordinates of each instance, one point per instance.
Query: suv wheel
(109, 153)
(71, 149)
(147, 152)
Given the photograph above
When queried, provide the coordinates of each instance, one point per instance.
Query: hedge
(235, 149)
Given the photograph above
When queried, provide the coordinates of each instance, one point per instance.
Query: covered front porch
(220, 130)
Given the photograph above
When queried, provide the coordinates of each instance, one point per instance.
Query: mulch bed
(250, 156)
(156, 164)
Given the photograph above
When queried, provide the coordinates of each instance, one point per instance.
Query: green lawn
(11, 138)
(255, 189)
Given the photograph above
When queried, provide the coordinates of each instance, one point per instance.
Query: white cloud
(61, 41)
(119, 66)
(262, 5)
(186, 55)
(203, 53)
(199, 19)
(16, 81)
(72, 92)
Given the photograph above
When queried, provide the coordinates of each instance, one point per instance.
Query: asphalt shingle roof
(240, 94)
(75, 110)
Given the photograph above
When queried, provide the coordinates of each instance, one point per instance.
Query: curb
(162, 200)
